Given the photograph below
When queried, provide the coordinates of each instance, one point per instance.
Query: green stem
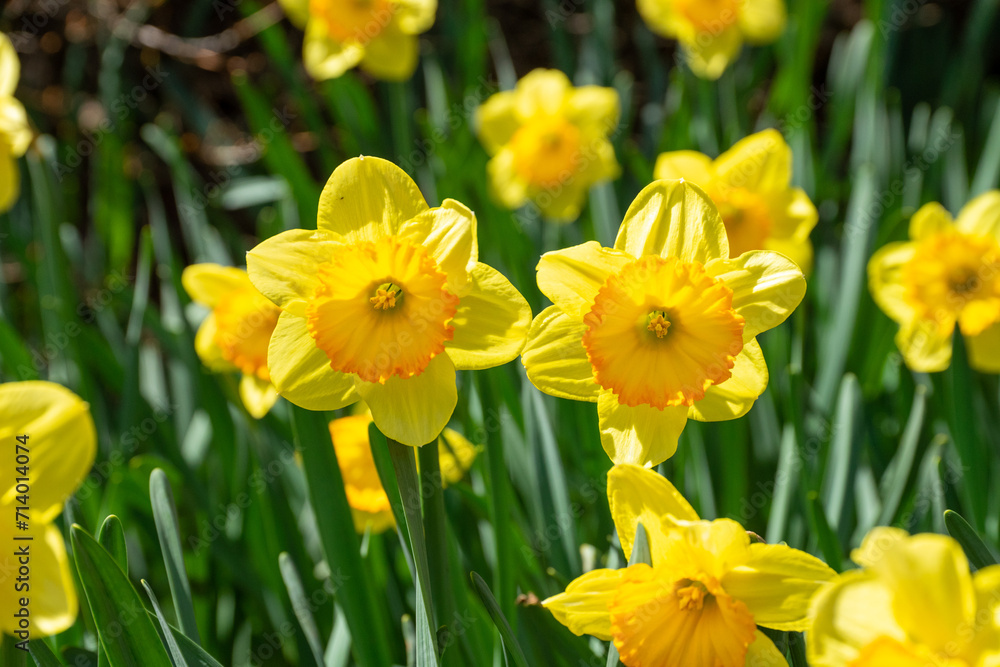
(435, 525)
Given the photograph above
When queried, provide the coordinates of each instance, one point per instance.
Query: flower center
(361, 320)
(546, 151)
(661, 332)
(353, 21)
(746, 217)
(955, 277)
(889, 651)
(711, 16)
(657, 619)
(244, 323)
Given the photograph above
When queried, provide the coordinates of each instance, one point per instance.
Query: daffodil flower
(663, 326)
(15, 133)
(751, 185)
(549, 142)
(711, 32)
(912, 603)
(384, 302)
(707, 589)
(235, 335)
(947, 274)
(56, 428)
(365, 494)
(380, 36)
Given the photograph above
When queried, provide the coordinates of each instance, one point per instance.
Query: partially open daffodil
(235, 335)
(913, 604)
(56, 429)
(751, 185)
(365, 494)
(383, 302)
(380, 36)
(15, 133)
(549, 142)
(661, 327)
(947, 274)
(707, 589)
(711, 32)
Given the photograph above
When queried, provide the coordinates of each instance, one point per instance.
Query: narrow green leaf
(493, 609)
(978, 552)
(895, 478)
(167, 529)
(165, 635)
(194, 655)
(10, 654)
(124, 629)
(842, 462)
(42, 654)
(828, 543)
(111, 536)
(300, 605)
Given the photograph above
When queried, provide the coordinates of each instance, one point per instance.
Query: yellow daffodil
(235, 335)
(948, 273)
(913, 604)
(383, 302)
(707, 589)
(380, 36)
(663, 326)
(15, 133)
(711, 32)
(368, 501)
(549, 142)
(751, 185)
(51, 428)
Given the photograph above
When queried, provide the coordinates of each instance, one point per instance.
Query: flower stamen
(658, 323)
(386, 296)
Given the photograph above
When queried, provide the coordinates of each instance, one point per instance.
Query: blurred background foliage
(181, 132)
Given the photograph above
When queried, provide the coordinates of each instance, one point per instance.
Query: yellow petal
(61, 439)
(594, 109)
(709, 54)
(415, 16)
(496, 121)
(692, 166)
(414, 411)
(762, 21)
(506, 187)
(491, 322)
(301, 371)
(10, 179)
(924, 346)
(800, 252)
(776, 584)
(297, 11)
(368, 198)
(210, 284)
(374, 522)
(711, 547)
(673, 219)
(555, 359)
(848, 614)
(572, 277)
(583, 607)
(763, 653)
(564, 202)
(793, 216)
(326, 58)
(449, 233)
(456, 456)
(733, 398)
(10, 67)
(639, 494)
(542, 91)
(392, 54)
(14, 126)
(984, 350)
(981, 216)
(642, 435)
(760, 163)
(930, 219)
(258, 395)
(284, 267)
(885, 280)
(662, 17)
(766, 288)
(874, 545)
(207, 349)
(52, 599)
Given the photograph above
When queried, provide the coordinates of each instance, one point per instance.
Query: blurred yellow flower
(751, 185)
(235, 335)
(61, 444)
(711, 32)
(15, 133)
(947, 274)
(368, 501)
(708, 588)
(663, 326)
(549, 142)
(913, 603)
(380, 36)
(384, 301)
